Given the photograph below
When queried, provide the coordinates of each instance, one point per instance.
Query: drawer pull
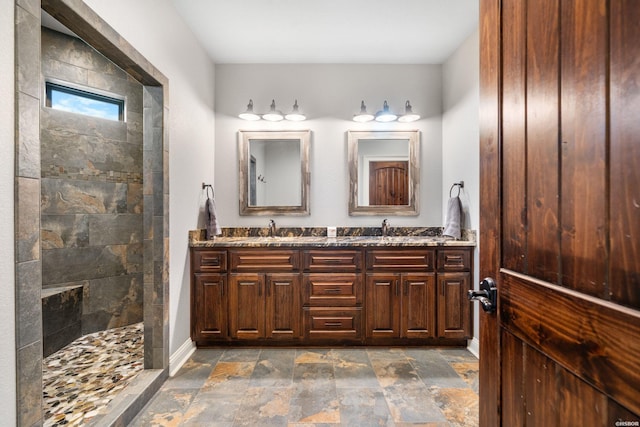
(332, 291)
(334, 324)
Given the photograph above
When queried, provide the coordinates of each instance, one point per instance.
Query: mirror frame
(413, 207)
(244, 138)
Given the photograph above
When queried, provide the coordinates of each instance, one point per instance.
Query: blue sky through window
(87, 104)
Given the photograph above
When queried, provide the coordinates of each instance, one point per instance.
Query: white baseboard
(177, 359)
(474, 347)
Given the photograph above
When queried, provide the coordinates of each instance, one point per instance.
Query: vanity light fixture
(249, 114)
(409, 115)
(363, 116)
(385, 115)
(295, 115)
(273, 115)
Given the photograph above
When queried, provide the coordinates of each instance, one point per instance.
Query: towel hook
(456, 184)
(208, 187)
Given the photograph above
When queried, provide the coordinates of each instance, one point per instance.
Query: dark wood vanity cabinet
(264, 295)
(454, 280)
(332, 294)
(208, 295)
(361, 295)
(400, 289)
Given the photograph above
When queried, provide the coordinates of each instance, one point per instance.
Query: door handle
(487, 296)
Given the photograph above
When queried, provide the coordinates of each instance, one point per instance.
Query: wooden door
(418, 305)
(246, 305)
(210, 309)
(560, 212)
(382, 295)
(283, 312)
(388, 183)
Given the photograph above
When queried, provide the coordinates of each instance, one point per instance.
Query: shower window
(84, 101)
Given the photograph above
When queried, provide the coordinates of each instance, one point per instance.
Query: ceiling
(330, 31)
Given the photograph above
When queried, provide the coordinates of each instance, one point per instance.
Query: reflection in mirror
(274, 172)
(384, 172)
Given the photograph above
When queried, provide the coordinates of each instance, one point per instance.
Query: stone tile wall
(91, 193)
(61, 317)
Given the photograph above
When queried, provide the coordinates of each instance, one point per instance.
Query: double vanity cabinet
(330, 293)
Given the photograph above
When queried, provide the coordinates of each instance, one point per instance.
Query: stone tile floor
(81, 379)
(319, 387)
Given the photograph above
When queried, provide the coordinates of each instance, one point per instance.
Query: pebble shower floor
(81, 379)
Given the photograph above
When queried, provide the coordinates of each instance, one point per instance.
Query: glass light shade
(249, 114)
(385, 115)
(295, 115)
(363, 116)
(409, 115)
(273, 115)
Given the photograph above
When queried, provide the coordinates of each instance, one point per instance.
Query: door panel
(583, 145)
(624, 152)
(383, 305)
(283, 306)
(560, 211)
(514, 239)
(246, 319)
(418, 303)
(513, 410)
(388, 183)
(211, 307)
(541, 139)
(453, 313)
(596, 340)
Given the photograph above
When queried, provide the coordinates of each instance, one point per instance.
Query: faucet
(272, 228)
(385, 227)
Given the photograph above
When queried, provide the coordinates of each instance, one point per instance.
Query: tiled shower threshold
(99, 379)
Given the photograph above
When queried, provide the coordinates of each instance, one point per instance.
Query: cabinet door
(383, 305)
(418, 305)
(246, 305)
(454, 314)
(283, 312)
(209, 300)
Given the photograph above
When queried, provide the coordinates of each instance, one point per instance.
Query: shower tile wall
(91, 195)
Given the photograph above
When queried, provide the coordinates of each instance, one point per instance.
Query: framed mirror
(384, 172)
(274, 172)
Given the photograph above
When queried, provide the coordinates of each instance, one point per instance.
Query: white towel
(454, 215)
(213, 228)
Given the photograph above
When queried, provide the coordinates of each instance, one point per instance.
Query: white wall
(155, 29)
(329, 95)
(7, 264)
(461, 135)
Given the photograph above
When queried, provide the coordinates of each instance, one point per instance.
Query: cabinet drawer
(454, 260)
(332, 289)
(262, 260)
(209, 261)
(405, 260)
(322, 323)
(332, 260)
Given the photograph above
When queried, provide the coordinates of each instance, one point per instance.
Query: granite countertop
(196, 240)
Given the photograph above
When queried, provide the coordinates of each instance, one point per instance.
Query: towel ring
(208, 187)
(456, 184)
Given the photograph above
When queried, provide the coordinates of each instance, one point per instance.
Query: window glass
(84, 102)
